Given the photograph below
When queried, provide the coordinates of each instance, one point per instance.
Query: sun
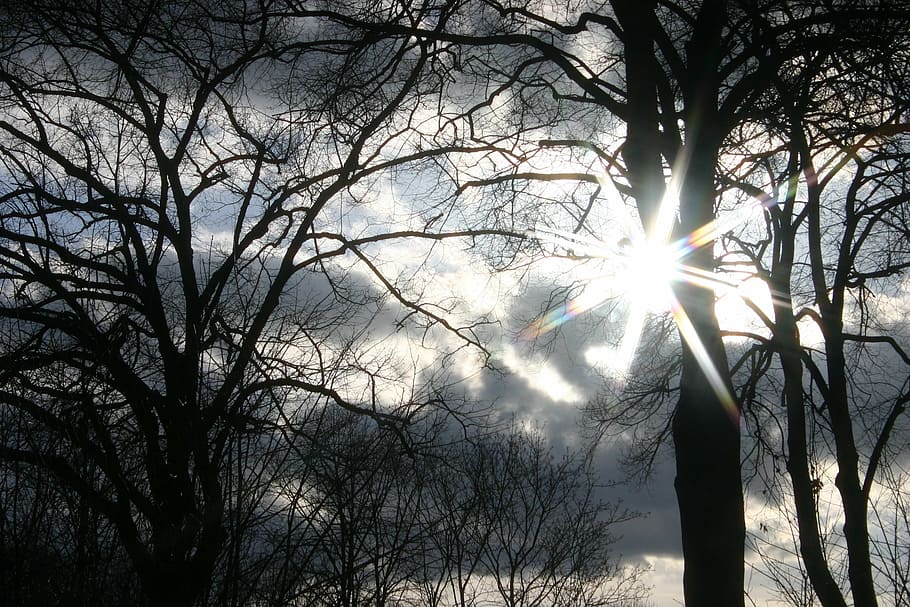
(636, 271)
(644, 274)
(642, 271)
(648, 271)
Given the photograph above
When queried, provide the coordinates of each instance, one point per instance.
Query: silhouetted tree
(680, 79)
(836, 237)
(545, 538)
(186, 241)
(359, 521)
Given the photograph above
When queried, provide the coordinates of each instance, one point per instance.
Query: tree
(54, 548)
(368, 530)
(497, 516)
(836, 77)
(544, 537)
(186, 242)
(829, 175)
(848, 232)
(683, 79)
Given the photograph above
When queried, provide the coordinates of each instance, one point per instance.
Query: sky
(561, 332)
(546, 377)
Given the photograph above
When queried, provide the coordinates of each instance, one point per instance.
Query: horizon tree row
(327, 508)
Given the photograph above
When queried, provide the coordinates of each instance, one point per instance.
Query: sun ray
(693, 340)
(563, 314)
(635, 324)
(705, 278)
(652, 264)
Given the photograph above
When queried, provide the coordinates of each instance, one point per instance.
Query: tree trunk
(856, 530)
(837, 401)
(786, 343)
(706, 425)
(709, 492)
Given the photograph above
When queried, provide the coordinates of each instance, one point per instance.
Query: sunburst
(643, 273)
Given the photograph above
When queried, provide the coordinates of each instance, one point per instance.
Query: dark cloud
(656, 531)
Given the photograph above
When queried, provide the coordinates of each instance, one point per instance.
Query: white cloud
(665, 578)
(541, 376)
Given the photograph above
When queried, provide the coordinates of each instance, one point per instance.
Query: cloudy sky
(559, 333)
(564, 335)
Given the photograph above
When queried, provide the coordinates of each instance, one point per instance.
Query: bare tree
(546, 537)
(836, 236)
(186, 241)
(360, 521)
(846, 420)
(684, 79)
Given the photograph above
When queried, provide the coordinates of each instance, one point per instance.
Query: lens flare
(649, 269)
(644, 271)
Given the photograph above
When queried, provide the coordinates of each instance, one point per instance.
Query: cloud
(546, 382)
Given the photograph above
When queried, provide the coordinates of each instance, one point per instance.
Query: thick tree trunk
(175, 564)
(709, 492)
(706, 426)
(642, 148)
(180, 582)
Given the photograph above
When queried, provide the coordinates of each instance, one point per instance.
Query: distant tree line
(328, 509)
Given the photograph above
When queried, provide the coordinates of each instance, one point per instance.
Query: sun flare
(648, 272)
(642, 273)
